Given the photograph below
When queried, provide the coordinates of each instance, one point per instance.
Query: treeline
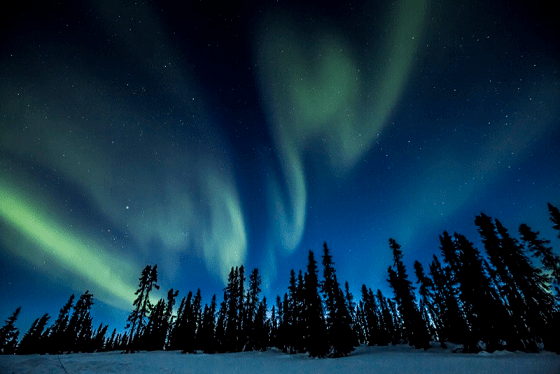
(505, 298)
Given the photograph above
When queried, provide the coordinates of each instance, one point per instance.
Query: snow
(378, 360)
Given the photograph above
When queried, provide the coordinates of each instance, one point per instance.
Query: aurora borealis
(207, 135)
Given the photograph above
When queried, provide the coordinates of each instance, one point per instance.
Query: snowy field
(377, 360)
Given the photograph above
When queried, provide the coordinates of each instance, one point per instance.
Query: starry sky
(201, 135)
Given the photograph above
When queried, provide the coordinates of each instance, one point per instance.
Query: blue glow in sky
(201, 136)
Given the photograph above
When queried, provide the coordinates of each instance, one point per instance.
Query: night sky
(201, 135)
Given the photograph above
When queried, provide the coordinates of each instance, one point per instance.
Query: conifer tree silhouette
(98, 339)
(156, 328)
(452, 324)
(389, 328)
(315, 333)
(79, 331)
(487, 316)
(252, 326)
(340, 336)
(208, 327)
(427, 301)
(9, 335)
(415, 329)
(522, 285)
(369, 320)
(168, 318)
(221, 325)
(34, 340)
(138, 317)
(59, 334)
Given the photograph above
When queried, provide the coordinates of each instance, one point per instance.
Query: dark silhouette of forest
(505, 298)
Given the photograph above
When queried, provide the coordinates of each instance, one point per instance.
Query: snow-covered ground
(377, 360)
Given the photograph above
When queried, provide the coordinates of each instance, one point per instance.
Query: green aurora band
(70, 251)
(318, 99)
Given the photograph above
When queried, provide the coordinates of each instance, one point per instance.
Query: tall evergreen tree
(80, 330)
(293, 314)
(487, 316)
(98, 339)
(221, 325)
(340, 336)
(110, 343)
(523, 286)
(261, 330)
(234, 298)
(58, 336)
(34, 340)
(138, 317)
(280, 335)
(252, 305)
(350, 304)
(369, 317)
(176, 333)
(452, 323)
(427, 305)
(389, 331)
(168, 319)
(315, 333)
(273, 327)
(196, 320)
(9, 335)
(184, 336)
(208, 327)
(156, 329)
(415, 328)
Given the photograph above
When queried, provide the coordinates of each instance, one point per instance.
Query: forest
(505, 297)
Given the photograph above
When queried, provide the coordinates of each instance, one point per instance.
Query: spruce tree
(349, 300)
(154, 335)
(280, 335)
(388, 331)
(176, 333)
(208, 327)
(34, 340)
(315, 333)
(110, 343)
(415, 329)
(196, 320)
(261, 331)
(452, 324)
(273, 327)
(98, 340)
(58, 331)
(138, 317)
(487, 316)
(369, 317)
(9, 335)
(287, 325)
(523, 286)
(299, 319)
(221, 325)
(232, 325)
(252, 305)
(292, 315)
(79, 331)
(340, 336)
(168, 319)
(428, 309)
